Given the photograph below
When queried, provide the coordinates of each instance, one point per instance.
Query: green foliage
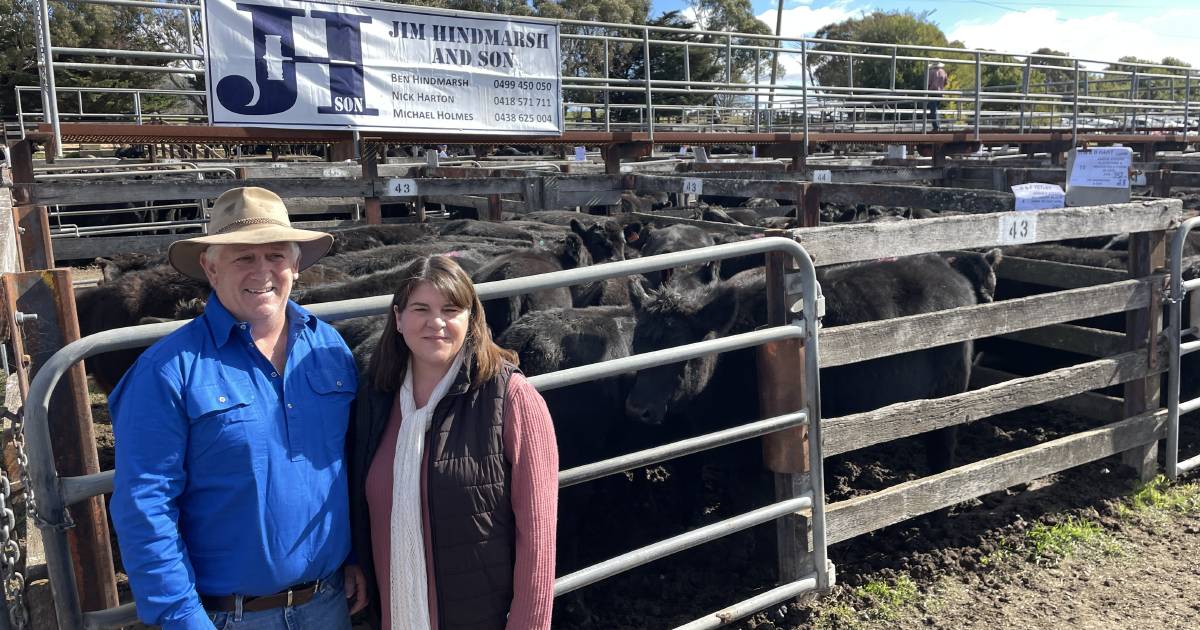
(887, 601)
(18, 64)
(1054, 542)
(1160, 497)
(78, 24)
(885, 27)
(667, 64)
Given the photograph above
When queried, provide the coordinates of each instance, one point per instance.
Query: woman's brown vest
(473, 533)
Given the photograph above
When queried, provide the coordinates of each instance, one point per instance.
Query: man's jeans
(933, 112)
(325, 611)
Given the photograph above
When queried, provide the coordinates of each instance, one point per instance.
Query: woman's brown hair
(485, 358)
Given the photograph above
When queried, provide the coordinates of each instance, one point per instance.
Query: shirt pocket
(332, 392)
(217, 412)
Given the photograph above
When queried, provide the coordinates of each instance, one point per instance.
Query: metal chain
(10, 550)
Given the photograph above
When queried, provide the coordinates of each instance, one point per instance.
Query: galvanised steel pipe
(759, 602)
(593, 471)
(1176, 296)
(117, 52)
(675, 544)
(121, 616)
(613, 367)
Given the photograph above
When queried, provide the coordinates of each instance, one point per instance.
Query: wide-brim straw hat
(247, 216)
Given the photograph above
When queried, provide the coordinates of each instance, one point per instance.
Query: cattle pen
(1133, 359)
(661, 146)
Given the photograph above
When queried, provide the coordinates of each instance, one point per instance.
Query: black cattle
(557, 339)
(676, 238)
(361, 335)
(470, 255)
(118, 265)
(502, 312)
(725, 388)
(370, 236)
(154, 292)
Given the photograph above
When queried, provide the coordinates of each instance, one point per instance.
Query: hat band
(250, 221)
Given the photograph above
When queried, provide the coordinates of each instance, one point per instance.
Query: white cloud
(1103, 37)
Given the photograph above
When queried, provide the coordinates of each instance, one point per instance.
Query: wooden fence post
(369, 160)
(781, 375)
(1142, 327)
(785, 453)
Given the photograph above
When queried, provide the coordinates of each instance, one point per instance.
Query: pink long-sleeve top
(532, 452)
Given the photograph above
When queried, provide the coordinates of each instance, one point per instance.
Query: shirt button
(339, 383)
(220, 399)
(242, 326)
(289, 405)
(274, 374)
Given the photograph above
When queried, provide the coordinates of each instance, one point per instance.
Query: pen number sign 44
(1018, 228)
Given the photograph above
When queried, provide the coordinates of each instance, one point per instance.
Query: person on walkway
(453, 468)
(230, 498)
(936, 82)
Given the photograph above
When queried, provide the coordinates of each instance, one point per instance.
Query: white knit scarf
(409, 585)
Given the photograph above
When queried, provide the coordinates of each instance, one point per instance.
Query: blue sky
(1102, 30)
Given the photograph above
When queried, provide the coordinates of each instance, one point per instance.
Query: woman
(454, 470)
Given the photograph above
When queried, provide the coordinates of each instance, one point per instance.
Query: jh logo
(275, 62)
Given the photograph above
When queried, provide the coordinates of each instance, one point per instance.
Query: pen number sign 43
(402, 187)
(1018, 228)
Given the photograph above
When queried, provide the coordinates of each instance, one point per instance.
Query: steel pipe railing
(55, 493)
(1176, 348)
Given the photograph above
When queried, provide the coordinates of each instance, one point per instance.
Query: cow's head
(670, 318)
(604, 241)
(980, 270)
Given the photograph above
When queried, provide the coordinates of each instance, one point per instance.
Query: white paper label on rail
(683, 149)
(334, 173)
(1102, 167)
(580, 154)
(278, 165)
(171, 160)
(1139, 179)
(397, 187)
(693, 186)
(1017, 228)
(822, 177)
(1038, 196)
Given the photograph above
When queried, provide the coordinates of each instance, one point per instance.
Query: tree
(586, 57)
(884, 27)
(18, 63)
(83, 25)
(667, 64)
(735, 16)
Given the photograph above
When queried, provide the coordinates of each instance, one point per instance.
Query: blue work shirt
(230, 477)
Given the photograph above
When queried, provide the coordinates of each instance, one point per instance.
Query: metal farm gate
(1178, 348)
(797, 311)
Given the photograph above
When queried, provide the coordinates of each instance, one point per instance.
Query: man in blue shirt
(230, 496)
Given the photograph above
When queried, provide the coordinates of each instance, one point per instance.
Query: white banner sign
(1102, 167)
(1038, 196)
(320, 65)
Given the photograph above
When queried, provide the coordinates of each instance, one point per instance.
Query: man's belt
(296, 596)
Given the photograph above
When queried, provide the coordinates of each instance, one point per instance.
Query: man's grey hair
(215, 250)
